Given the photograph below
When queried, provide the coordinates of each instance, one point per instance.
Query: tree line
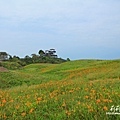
(47, 56)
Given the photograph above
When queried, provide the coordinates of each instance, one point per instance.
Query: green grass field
(75, 90)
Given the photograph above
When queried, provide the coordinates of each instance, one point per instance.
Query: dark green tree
(10, 57)
(41, 53)
(68, 59)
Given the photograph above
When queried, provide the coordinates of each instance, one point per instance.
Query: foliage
(16, 62)
(41, 53)
(11, 65)
(68, 59)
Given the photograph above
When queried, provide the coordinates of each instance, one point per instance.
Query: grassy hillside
(82, 89)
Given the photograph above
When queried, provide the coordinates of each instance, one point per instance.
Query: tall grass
(79, 90)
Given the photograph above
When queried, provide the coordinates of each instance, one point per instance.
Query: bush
(11, 65)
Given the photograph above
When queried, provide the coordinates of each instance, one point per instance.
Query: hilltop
(15, 62)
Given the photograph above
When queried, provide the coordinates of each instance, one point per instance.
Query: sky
(77, 29)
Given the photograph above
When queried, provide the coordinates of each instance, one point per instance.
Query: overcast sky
(77, 29)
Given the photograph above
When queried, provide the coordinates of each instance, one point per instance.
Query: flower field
(76, 90)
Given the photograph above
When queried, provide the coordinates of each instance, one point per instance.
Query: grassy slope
(83, 89)
(40, 73)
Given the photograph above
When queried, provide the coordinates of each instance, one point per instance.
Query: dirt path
(2, 69)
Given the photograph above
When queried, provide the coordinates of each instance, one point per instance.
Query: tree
(27, 57)
(33, 55)
(68, 59)
(41, 53)
(10, 57)
(3, 56)
(35, 58)
(15, 59)
(51, 53)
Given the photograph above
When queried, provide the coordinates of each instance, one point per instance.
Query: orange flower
(110, 101)
(68, 113)
(1, 105)
(91, 110)
(71, 91)
(93, 91)
(17, 107)
(86, 97)
(23, 114)
(28, 104)
(31, 110)
(78, 103)
(86, 89)
(98, 101)
(90, 84)
(105, 108)
(11, 100)
(4, 116)
(28, 96)
(64, 105)
(39, 99)
(4, 101)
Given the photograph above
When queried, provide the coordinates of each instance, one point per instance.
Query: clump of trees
(47, 56)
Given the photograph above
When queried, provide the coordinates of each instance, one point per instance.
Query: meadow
(74, 90)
